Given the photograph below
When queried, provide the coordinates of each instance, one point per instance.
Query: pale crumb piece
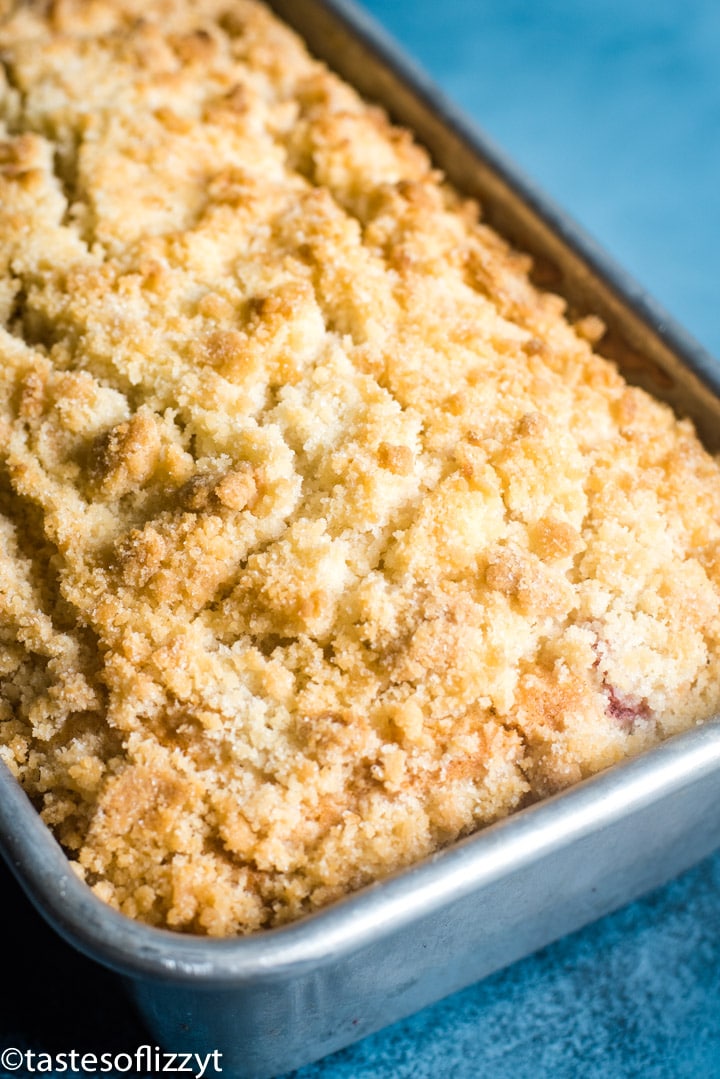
(591, 328)
(236, 490)
(325, 537)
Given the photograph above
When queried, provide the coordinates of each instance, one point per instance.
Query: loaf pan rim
(132, 948)
(528, 835)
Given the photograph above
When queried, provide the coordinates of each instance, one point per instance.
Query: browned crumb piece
(324, 537)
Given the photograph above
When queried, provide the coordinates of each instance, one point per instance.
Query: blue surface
(637, 994)
(613, 106)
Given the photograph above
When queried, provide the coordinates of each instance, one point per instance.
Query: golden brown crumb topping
(325, 537)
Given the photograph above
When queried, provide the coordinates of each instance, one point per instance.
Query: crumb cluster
(325, 536)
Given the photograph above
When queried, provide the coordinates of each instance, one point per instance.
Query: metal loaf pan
(281, 998)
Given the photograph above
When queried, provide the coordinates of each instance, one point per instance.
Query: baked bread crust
(325, 537)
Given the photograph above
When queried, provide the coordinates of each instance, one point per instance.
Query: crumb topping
(325, 536)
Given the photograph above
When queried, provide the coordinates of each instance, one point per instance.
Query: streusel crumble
(325, 537)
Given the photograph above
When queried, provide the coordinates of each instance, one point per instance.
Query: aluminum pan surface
(358, 49)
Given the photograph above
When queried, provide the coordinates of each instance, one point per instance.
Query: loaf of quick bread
(325, 536)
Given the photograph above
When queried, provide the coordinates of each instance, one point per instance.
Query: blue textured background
(613, 106)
